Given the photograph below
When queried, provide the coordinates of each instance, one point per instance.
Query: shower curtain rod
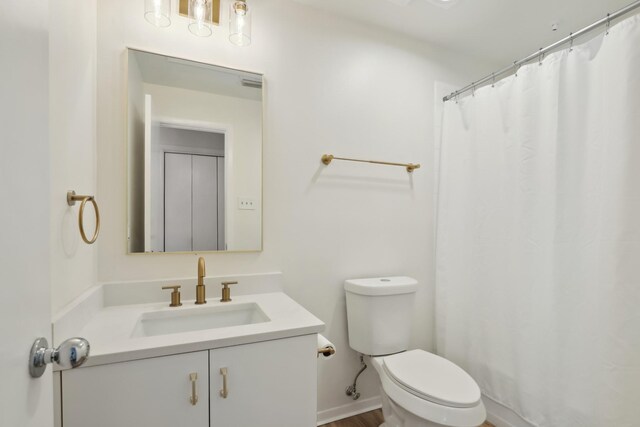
(516, 64)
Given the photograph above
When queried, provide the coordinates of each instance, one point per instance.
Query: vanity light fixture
(203, 15)
(199, 12)
(240, 23)
(158, 12)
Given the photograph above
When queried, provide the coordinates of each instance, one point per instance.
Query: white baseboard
(501, 416)
(349, 410)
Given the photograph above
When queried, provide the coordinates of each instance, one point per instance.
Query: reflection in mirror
(194, 156)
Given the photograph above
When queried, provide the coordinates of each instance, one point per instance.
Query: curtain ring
(72, 198)
(540, 57)
(493, 79)
(608, 24)
(473, 89)
(516, 68)
(570, 42)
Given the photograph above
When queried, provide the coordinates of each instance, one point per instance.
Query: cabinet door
(150, 392)
(269, 384)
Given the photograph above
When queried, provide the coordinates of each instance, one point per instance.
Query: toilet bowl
(419, 389)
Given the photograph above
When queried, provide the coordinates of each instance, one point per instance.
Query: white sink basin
(196, 319)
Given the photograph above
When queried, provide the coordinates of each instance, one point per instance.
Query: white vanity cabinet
(149, 392)
(270, 383)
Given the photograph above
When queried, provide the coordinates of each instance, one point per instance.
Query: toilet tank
(379, 314)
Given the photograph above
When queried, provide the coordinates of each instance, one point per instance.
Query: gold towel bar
(72, 198)
(327, 158)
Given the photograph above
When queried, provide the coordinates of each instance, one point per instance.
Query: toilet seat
(420, 400)
(433, 378)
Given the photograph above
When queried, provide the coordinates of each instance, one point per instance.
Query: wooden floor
(368, 419)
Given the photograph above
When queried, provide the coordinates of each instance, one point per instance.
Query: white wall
(72, 79)
(332, 86)
(242, 118)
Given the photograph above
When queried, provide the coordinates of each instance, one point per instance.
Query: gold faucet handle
(226, 292)
(175, 295)
(225, 284)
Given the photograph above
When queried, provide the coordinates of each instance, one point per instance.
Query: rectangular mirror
(194, 156)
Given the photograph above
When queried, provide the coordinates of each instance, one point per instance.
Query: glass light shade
(200, 12)
(158, 12)
(240, 23)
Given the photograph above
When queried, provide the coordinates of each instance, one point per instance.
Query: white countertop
(109, 329)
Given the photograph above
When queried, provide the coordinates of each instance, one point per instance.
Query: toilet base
(397, 416)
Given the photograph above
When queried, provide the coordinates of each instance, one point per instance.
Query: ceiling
(495, 30)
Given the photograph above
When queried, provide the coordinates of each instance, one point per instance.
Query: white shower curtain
(538, 236)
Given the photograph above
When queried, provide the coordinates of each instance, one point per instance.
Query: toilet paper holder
(326, 351)
(325, 347)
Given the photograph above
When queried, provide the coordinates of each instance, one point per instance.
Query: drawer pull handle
(194, 395)
(224, 392)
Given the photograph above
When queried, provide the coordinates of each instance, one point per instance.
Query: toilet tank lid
(382, 286)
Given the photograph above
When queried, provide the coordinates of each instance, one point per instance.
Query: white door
(24, 211)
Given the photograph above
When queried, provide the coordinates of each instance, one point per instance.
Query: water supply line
(352, 389)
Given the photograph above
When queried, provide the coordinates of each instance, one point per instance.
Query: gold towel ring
(72, 198)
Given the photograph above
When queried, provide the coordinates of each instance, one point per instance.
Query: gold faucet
(200, 289)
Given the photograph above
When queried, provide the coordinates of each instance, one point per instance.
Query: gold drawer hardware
(328, 158)
(224, 392)
(194, 381)
(72, 198)
(175, 295)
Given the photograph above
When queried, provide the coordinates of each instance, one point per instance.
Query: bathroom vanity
(269, 383)
(155, 365)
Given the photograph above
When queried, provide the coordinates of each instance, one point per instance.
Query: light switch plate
(246, 203)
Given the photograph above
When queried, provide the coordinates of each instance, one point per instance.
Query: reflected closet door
(205, 203)
(177, 202)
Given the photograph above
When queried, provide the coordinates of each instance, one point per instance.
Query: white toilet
(419, 389)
